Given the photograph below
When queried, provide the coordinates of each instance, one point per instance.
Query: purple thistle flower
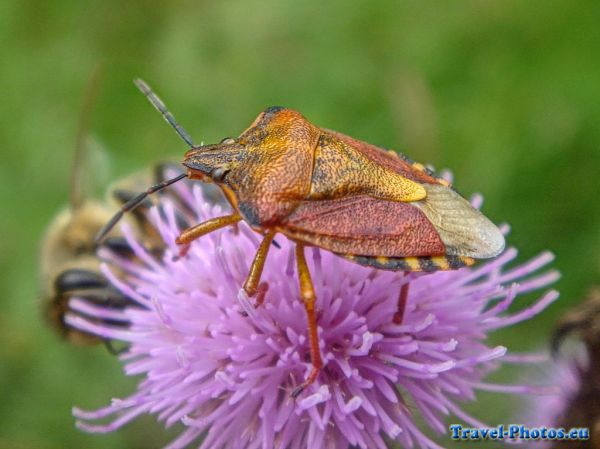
(206, 364)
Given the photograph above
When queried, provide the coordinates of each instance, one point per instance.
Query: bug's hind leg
(197, 231)
(402, 299)
(307, 293)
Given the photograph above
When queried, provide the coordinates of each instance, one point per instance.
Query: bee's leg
(112, 349)
(253, 286)
(399, 315)
(307, 293)
(197, 231)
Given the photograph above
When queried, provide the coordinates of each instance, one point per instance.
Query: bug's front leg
(197, 231)
(307, 293)
(253, 286)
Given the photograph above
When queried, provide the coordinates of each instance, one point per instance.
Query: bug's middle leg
(307, 293)
(190, 234)
(253, 286)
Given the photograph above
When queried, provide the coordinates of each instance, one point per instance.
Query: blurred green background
(505, 93)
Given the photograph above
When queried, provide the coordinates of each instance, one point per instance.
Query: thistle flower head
(204, 363)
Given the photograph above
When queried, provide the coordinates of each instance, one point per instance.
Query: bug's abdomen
(422, 263)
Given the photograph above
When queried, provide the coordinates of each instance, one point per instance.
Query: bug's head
(212, 163)
(276, 130)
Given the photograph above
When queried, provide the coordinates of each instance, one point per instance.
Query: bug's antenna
(76, 194)
(133, 203)
(160, 106)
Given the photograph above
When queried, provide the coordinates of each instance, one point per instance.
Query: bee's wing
(85, 158)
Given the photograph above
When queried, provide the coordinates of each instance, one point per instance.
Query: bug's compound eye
(227, 141)
(218, 174)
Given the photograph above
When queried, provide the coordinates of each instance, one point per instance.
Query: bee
(69, 265)
(583, 320)
(69, 262)
(583, 323)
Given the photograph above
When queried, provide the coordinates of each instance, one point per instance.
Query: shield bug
(284, 175)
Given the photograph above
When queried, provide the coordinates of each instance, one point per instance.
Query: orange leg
(197, 231)
(253, 286)
(399, 315)
(307, 293)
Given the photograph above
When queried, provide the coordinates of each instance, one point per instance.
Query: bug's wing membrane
(464, 230)
(364, 226)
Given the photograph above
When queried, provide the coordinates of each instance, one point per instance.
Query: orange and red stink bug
(325, 189)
